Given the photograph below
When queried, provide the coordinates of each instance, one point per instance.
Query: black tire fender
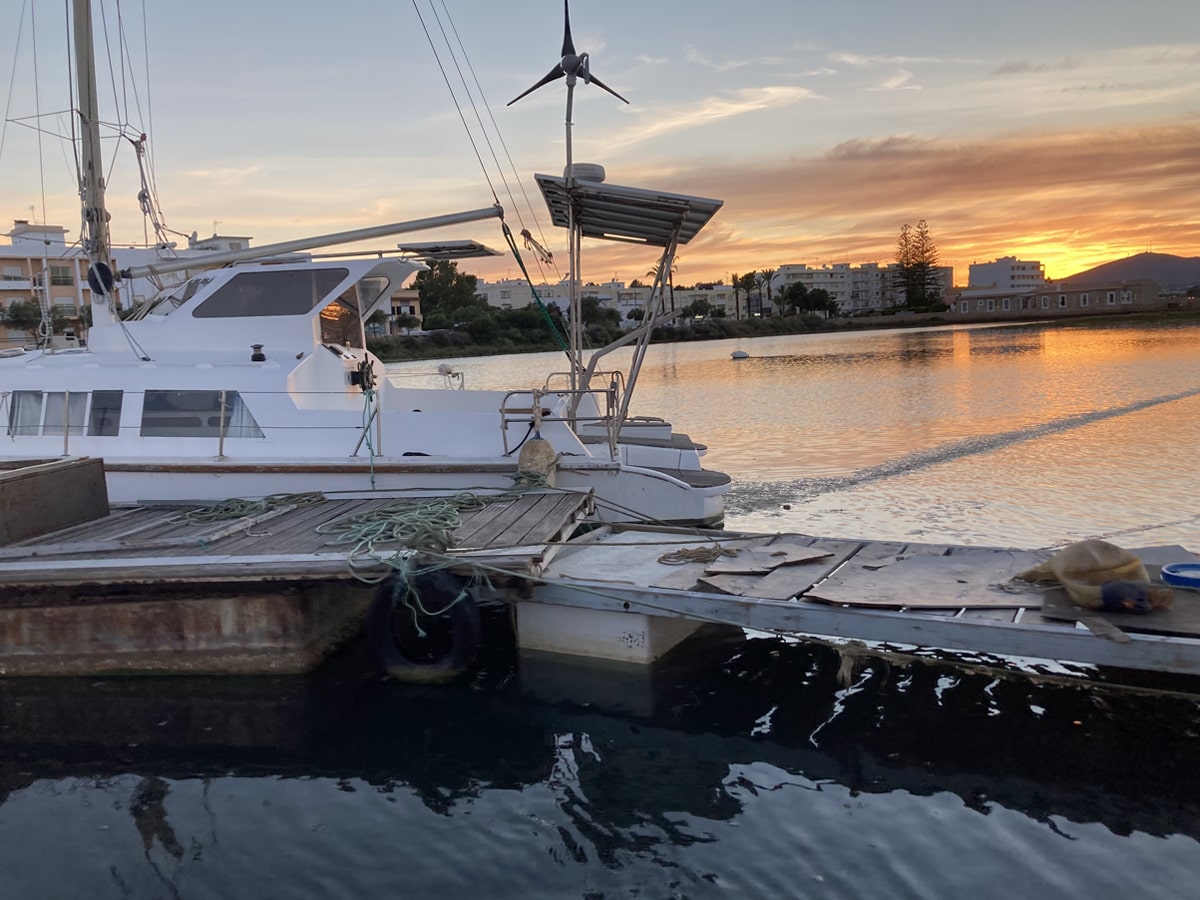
(394, 617)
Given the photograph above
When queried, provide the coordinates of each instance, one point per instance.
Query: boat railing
(605, 403)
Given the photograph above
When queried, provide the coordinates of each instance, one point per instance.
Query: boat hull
(621, 492)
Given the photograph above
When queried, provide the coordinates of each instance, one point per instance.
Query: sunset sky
(1066, 131)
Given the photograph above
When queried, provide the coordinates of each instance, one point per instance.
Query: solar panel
(616, 213)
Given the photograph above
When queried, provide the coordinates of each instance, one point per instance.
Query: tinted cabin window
(197, 414)
(271, 293)
(341, 321)
(105, 417)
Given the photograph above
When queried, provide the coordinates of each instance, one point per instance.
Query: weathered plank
(760, 561)
(964, 578)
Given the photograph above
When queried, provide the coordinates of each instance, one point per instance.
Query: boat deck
(902, 595)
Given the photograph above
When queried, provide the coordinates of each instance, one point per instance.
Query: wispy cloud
(692, 55)
(1026, 67)
(707, 111)
(901, 81)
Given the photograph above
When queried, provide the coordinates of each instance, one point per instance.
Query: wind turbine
(573, 67)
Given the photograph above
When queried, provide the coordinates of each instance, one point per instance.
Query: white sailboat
(251, 376)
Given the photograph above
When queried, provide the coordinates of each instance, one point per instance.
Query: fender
(452, 629)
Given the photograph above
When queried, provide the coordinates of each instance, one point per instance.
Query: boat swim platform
(179, 589)
(902, 596)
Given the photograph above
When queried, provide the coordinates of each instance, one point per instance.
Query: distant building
(38, 262)
(856, 288)
(1007, 274)
(1059, 299)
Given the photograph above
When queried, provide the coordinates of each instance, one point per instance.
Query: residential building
(1008, 274)
(1059, 299)
(855, 288)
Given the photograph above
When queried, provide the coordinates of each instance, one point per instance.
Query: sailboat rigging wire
(457, 106)
(500, 137)
(12, 79)
(538, 300)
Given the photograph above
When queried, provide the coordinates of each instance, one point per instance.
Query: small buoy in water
(740, 354)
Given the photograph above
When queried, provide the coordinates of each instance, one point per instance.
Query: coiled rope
(239, 508)
(696, 554)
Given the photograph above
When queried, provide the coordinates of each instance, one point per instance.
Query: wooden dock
(275, 587)
(176, 589)
(953, 598)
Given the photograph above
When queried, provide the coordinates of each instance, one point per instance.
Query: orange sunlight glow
(1070, 200)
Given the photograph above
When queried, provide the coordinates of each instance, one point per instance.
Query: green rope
(426, 525)
(368, 393)
(528, 481)
(512, 245)
(238, 508)
(404, 590)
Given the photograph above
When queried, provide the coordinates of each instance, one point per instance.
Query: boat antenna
(572, 66)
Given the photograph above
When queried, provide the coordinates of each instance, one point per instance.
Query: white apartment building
(855, 288)
(38, 258)
(1008, 274)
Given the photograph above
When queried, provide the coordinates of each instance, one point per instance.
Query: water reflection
(566, 775)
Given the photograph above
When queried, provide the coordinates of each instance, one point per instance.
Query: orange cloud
(1071, 200)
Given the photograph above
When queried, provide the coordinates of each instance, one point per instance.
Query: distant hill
(1171, 272)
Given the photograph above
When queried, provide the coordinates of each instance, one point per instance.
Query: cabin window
(341, 321)
(104, 419)
(164, 304)
(25, 412)
(53, 412)
(197, 414)
(65, 411)
(271, 293)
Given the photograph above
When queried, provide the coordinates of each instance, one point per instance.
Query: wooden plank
(185, 569)
(964, 578)
(789, 580)
(1182, 617)
(553, 517)
(760, 561)
(489, 523)
(297, 529)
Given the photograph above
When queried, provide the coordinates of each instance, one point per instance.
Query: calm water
(747, 767)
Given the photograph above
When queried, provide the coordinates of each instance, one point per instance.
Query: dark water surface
(743, 766)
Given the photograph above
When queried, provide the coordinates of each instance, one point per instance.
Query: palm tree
(746, 283)
(672, 272)
(764, 279)
(736, 281)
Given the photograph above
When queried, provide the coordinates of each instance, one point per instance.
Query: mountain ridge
(1171, 272)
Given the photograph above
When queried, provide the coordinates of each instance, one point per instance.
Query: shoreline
(438, 345)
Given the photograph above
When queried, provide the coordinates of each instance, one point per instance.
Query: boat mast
(91, 180)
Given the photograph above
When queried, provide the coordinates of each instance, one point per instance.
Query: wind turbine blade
(596, 81)
(553, 75)
(568, 47)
